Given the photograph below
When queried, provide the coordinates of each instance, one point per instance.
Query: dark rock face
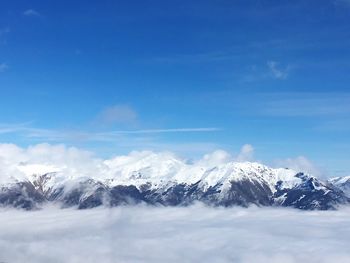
(178, 194)
(87, 194)
(244, 193)
(241, 193)
(21, 195)
(310, 194)
(125, 195)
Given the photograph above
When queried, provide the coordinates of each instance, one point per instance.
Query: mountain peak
(166, 179)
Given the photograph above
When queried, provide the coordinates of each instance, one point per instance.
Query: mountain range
(162, 179)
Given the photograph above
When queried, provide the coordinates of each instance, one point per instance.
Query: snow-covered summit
(160, 178)
(139, 168)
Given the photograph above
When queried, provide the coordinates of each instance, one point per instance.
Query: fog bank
(173, 234)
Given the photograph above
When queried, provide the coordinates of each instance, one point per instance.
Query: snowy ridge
(163, 178)
(162, 169)
(343, 183)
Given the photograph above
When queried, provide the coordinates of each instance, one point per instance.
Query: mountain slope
(163, 179)
(343, 183)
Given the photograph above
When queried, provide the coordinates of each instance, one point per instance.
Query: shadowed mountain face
(343, 183)
(306, 193)
(22, 195)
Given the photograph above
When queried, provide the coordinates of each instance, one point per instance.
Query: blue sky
(184, 76)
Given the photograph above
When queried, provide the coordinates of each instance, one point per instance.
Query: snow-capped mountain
(342, 183)
(164, 179)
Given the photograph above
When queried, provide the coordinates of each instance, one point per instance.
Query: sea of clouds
(173, 234)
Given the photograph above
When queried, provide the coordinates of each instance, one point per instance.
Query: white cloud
(31, 12)
(301, 164)
(118, 114)
(276, 71)
(17, 162)
(3, 67)
(215, 158)
(74, 162)
(69, 160)
(186, 149)
(246, 153)
(192, 234)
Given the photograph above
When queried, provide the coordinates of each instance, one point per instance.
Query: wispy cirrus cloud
(118, 125)
(3, 67)
(277, 71)
(12, 127)
(205, 57)
(345, 3)
(3, 32)
(305, 104)
(31, 12)
(174, 130)
(118, 114)
(124, 140)
(52, 135)
(282, 104)
(268, 71)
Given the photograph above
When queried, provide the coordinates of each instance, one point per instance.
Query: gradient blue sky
(186, 76)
